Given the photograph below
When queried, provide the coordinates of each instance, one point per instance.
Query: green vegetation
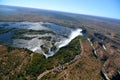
(67, 53)
(90, 23)
(19, 34)
(30, 31)
(12, 60)
(2, 30)
(87, 67)
(39, 63)
(48, 38)
(21, 64)
(22, 37)
(45, 49)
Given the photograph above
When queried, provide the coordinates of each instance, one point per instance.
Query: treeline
(38, 63)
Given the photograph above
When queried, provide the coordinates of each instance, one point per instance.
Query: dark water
(34, 40)
(60, 30)
(6, 39)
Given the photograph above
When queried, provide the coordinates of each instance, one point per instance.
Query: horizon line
(63, 11)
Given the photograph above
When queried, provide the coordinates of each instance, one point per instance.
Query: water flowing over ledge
(41, 37)
(65, 42)
(73, 35)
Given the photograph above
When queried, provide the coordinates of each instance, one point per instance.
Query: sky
(104, 8)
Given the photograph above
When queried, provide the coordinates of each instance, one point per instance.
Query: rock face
(100, 53)
(108, 55)
(33, 35)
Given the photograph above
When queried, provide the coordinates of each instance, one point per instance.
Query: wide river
(39, 37)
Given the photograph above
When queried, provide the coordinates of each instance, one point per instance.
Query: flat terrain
(94, 56)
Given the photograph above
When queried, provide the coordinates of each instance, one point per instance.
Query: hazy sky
(107, 8)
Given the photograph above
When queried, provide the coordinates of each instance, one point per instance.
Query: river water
(42, 37)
